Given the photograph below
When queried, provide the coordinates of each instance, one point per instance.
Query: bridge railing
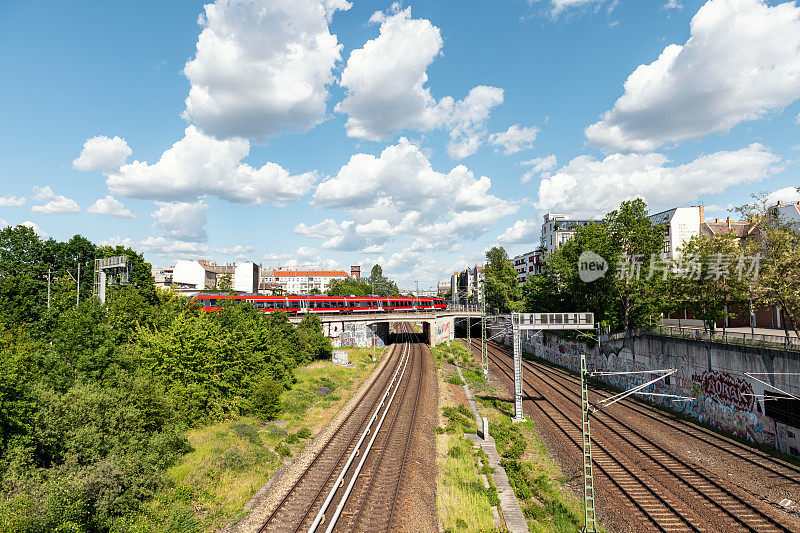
(460, 307)
(776, 342)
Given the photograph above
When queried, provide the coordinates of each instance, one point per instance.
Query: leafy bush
(303, 433)
(455, 380)
(267, 399)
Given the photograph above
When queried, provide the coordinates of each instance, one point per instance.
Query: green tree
(225, 283)
(633, 238)
(501, 289)
(707, 281)
(379, 284)
(777, 247)
(348, 287)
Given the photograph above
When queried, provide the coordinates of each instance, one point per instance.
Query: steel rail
(340, 479)
(364, 397)
(647, 441)
(761, 460)
(383, 450)
(405, 452)
(647, 514)
(354, 477)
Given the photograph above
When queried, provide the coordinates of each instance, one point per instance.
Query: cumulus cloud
(741, 61)
(515, 139)
(262, 66)
(36, 229)
(522, 231)
(111, 207)
(387, 92)
(182, 221)
(538, 165)
(11, 201)
(323, 230)
(785, 195)
(102, 153)
(587, 187)
(53, 203)
(200, 164)
(399, 195)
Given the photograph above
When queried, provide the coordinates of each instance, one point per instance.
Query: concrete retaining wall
(712, 373)
(443, 330)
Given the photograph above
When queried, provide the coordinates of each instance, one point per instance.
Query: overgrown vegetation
(95, 400)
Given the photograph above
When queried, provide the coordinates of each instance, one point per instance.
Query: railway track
(354, 482)
(664, 490)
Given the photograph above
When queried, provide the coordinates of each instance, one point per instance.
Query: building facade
(528, 264)
(303, 281)
(558, 229)
(467, 285)
(680, 224)
(442, 288)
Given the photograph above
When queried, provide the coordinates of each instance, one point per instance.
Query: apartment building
(558, 229)
(528, 264)
(302, 281)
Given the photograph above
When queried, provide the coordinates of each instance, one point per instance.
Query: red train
(322, 304)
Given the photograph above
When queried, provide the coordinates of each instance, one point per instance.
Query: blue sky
(414, 134)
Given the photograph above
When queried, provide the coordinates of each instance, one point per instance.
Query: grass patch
(231, 460)
(455, 380)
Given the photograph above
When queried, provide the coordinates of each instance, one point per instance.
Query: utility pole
(588, 478)
(484, 354)
(48, 288)
(417, 293)
(78, 294)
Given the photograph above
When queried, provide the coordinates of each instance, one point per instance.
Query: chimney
(728, 222)
(780, 202)
(701, 210)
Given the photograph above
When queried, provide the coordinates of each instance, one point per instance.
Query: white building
(680, 224)
(246, 277)
(303, 281)
(558, 229)
(162, 277)
(528, 264)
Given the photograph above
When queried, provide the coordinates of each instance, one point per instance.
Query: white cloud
(323, 230)
(797, 119)
(387, 92)
(562, 5)
(515, 139)
(374, 249)
(54, 203)
(586, 187)
(262, 66)
(538, 165)
(673, 4)
(522, 231)
(110, 206)
(11, 201)
(385, 79)
(238, 251)
(182, 221)
(399, 195)
(172, 248)
(741, 61)
(199, 164)
(785, 195)
(271, 256)
(102, 153)
(36, 229)
(468, 118)
(304, 252)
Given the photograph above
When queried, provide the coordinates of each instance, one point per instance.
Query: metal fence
(775, 342)
(460, 307)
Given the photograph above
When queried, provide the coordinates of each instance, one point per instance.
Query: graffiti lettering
(727, 389)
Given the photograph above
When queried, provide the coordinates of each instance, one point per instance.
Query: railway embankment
(468, 485)
(234, 463)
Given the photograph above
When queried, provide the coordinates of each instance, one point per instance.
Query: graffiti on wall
(442, 331)
(722, 399)
(726, 389)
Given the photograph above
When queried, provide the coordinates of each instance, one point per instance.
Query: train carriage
(211, 302)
